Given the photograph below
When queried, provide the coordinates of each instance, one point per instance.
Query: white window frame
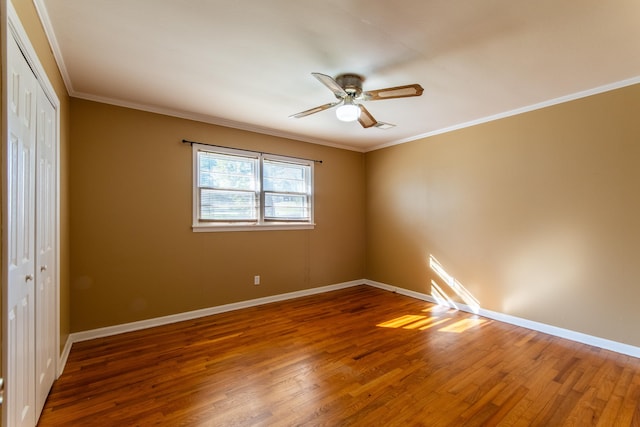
(260, 224)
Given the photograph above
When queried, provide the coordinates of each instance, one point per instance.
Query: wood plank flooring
(354, 357)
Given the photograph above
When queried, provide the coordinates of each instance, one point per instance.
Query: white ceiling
(247, 63)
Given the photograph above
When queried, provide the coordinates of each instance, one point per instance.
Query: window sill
(251, 227)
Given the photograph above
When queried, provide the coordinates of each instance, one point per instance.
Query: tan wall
(31, 23)
(537, 215)
(134, 255)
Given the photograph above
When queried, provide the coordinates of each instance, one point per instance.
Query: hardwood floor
(359, 356)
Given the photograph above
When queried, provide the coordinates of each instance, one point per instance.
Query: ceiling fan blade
(393, 92)
(366, 119)
(333, 86)
(383, 125)
(314, 110)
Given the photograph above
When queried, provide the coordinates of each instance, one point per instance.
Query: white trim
(15, 27)
(4, 196)
(195, 314)
(41, 9)
(580, 337)
(381, 285)
(203, 118)
(198, 228)
(297, 137)
(64, 356)
(189, 315)
(289, 135)
(568, 334)
(544, 104)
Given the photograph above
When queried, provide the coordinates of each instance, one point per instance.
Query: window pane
(286, 207)
(285, 177)
(226, 172)
(235, 188)
(216, 205)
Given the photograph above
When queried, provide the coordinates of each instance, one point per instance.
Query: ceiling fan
(348, 89)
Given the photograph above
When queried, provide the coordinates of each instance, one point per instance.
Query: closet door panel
(20, 305)
(45, 345)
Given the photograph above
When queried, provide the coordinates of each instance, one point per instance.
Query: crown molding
(560, 100)
(210, 120)
(43, 14)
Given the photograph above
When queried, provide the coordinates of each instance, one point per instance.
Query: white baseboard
(580, 337)
(62, 361)
(189, 315)
(501, 317)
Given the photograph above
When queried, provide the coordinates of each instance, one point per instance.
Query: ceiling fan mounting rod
(351, 83)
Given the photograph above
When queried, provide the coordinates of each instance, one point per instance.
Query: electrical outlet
(256, 280)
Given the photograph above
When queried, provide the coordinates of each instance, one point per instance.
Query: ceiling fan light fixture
(348, 112)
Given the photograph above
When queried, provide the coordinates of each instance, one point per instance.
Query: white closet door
(20, 304)
(45, 344)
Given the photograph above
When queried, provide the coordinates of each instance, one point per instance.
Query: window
(243, 190)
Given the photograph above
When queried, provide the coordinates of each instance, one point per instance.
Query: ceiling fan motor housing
(351, 83)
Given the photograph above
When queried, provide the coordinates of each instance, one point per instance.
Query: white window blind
(286, 191)
(228, 187)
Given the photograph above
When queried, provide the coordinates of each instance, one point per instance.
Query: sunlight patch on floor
(463, 325)
(422, 322)
(401, 321)
(438, 309)
(439, 315)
